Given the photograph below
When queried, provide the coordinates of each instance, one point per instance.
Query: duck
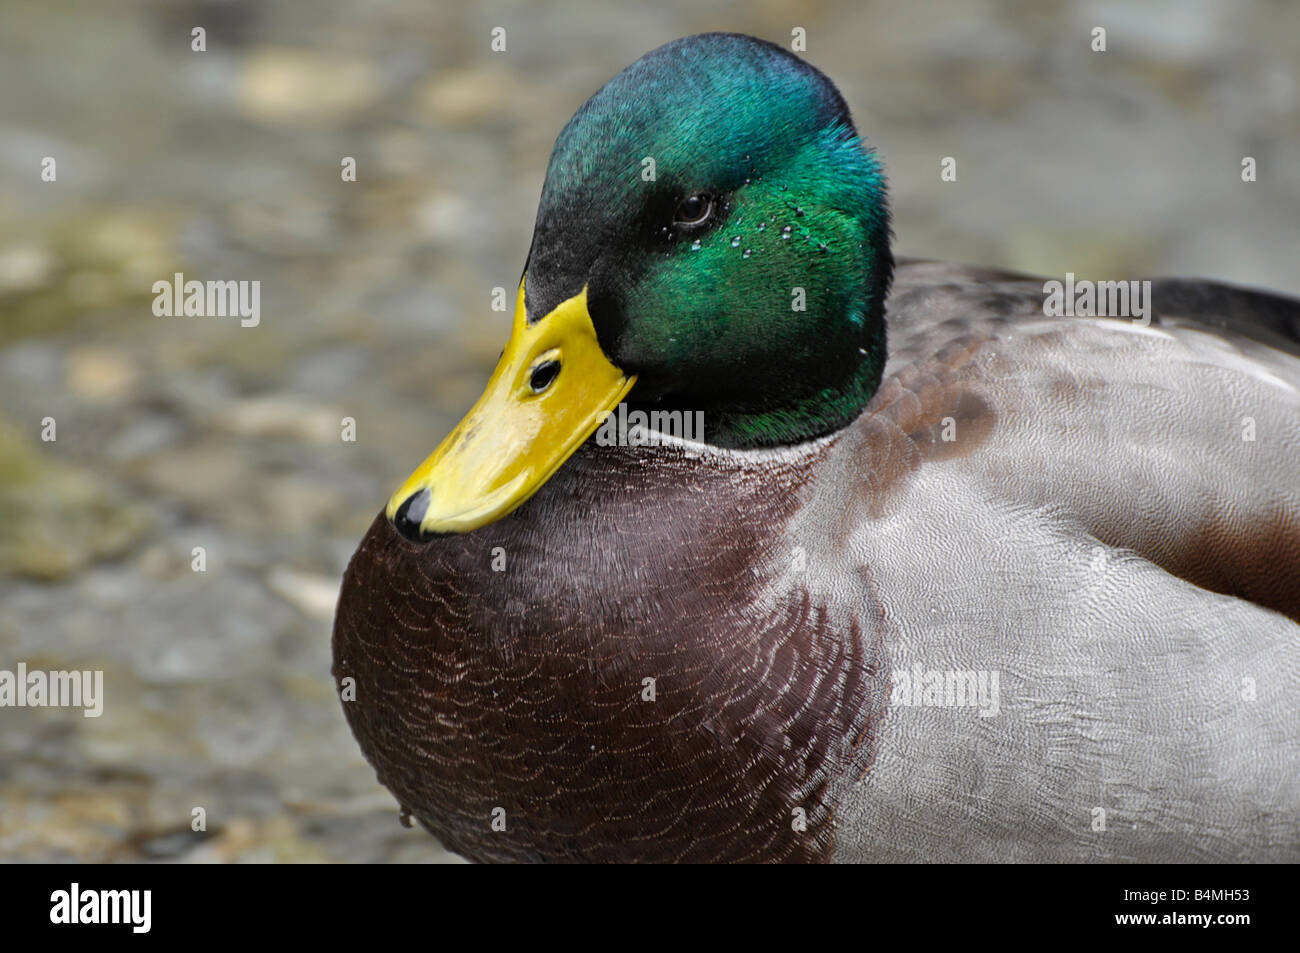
(944, 576)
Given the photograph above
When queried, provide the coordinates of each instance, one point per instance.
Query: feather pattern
(1056, 500)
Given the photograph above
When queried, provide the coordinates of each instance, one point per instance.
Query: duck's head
(713, 236)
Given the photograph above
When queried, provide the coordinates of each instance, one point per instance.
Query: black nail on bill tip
(409, 515)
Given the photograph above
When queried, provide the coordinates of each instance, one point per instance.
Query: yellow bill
(550, 391)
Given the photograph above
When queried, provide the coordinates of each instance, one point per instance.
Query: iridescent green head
(713, 236)
(733, 234)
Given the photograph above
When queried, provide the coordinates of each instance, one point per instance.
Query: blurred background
(180, 432)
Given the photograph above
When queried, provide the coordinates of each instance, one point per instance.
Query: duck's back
(1091, 528)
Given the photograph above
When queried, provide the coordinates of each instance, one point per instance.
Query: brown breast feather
(523, 689)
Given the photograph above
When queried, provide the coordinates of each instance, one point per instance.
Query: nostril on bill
(410, 514)
(543, 376)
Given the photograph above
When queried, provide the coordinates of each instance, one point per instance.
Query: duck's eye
(543, 376)
(693, 210)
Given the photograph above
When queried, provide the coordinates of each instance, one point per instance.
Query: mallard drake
(1017, 586)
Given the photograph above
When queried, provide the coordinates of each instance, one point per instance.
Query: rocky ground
(174, 433)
